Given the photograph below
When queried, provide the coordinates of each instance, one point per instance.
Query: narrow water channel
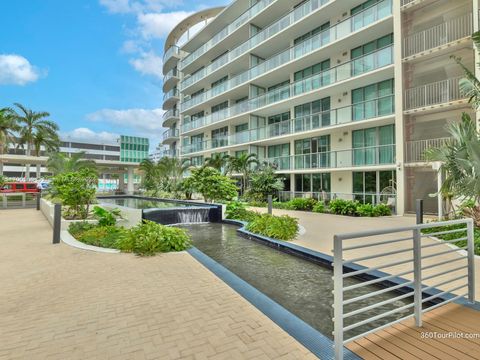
(302, 287)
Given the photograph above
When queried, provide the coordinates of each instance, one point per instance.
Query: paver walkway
(57, 302)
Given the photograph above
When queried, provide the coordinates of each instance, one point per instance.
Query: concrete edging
(68, 239)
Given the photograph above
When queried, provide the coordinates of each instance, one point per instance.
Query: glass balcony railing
(173, 50)
(222, 34)
(172, 113)
(171, 74)
(292, 17)
(170, 94)
(364, 156)
(356, 67)
(340, 30)
(171, 133)
(375, 108)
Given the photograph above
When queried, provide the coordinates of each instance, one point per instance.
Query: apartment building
(342, 97)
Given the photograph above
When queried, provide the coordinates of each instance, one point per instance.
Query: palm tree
(8, 127)
(242, 165)
(217, 161)
(32, 122)
(46, 138)
(151, 174)
(59, 163)
(172, 170)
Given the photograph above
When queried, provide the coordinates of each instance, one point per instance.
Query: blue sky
(95, 65)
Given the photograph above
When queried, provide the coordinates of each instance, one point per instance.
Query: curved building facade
(343, 97)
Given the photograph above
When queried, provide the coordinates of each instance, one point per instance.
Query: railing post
(338, 297)
(471, 261)
(57, 223)
(270, 204)
(38, 198)
(419, 211)
(417, 276)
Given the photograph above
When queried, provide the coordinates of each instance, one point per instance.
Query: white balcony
(436, 37)
(415, 150)
(434, 95)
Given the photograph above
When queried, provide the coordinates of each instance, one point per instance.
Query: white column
(399, 125)
(130, 181)
(121, 182)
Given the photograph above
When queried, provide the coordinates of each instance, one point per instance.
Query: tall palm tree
(46, 138)
(217, 161)
(59, 163)
(172, 169)
(32, 122)
(150, 174)
(8, 128)
(243, 165)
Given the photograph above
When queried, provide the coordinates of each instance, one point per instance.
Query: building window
(310, 81)
(279, 155)
(319, 182)
(220, 107)
(196, 161)
(368, 63)
(219, 86)
(312, 115)
(373, 100)
(312, 153)
(374, 146)
(279, 91)
(241, 127)
(368, 185)
(220, 137)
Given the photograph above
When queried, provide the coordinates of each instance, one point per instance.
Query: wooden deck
(405, 341)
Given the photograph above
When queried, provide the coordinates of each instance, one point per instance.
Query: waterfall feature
(193, 215)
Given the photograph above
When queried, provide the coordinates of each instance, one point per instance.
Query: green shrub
(106, 217)
(320, 207)
(456, 235)
(257, 204)
(343, 207)
(76, 228)
(365, 210)
(282, 205)
(277, 227)
(236, 210)
(149, 238)
(102, 236)
(382, 210)
(305, 204)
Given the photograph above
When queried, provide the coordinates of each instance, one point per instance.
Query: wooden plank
(362, 352)
(463, 316)
(377, 350)
(454, 323)
(416, 342)
(390, 347)
(415, 333)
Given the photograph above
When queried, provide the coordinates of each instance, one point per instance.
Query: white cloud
(85, 134)
(158, 25)
(16, 70)
(137, 6)
(148, 64)
(142, 122)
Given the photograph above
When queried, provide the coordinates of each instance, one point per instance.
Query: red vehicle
(21, 187)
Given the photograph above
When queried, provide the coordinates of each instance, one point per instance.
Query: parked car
(20, 187)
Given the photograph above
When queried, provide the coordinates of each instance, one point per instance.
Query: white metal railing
(441, 34)
(417, 263)
(439, 92)
(294, 16)
(356, 67)
(222, 34)
(415, 150)
(340, 30)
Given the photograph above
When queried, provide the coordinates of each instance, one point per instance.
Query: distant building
(133, 149)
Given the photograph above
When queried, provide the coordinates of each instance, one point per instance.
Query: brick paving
(57, 302)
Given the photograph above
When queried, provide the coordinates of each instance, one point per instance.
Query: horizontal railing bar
(442, 242)
(430, 308)
(373, 306)
(360, 234)
(443, 263)
(376, 329)
(443, 293)
(375, 293)
(443, 252)
(377, 243)
(445, 272)
(377, 255)
(377, 317)
(363, 271)
(443, 283)
(443, 232)
(374, 281)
